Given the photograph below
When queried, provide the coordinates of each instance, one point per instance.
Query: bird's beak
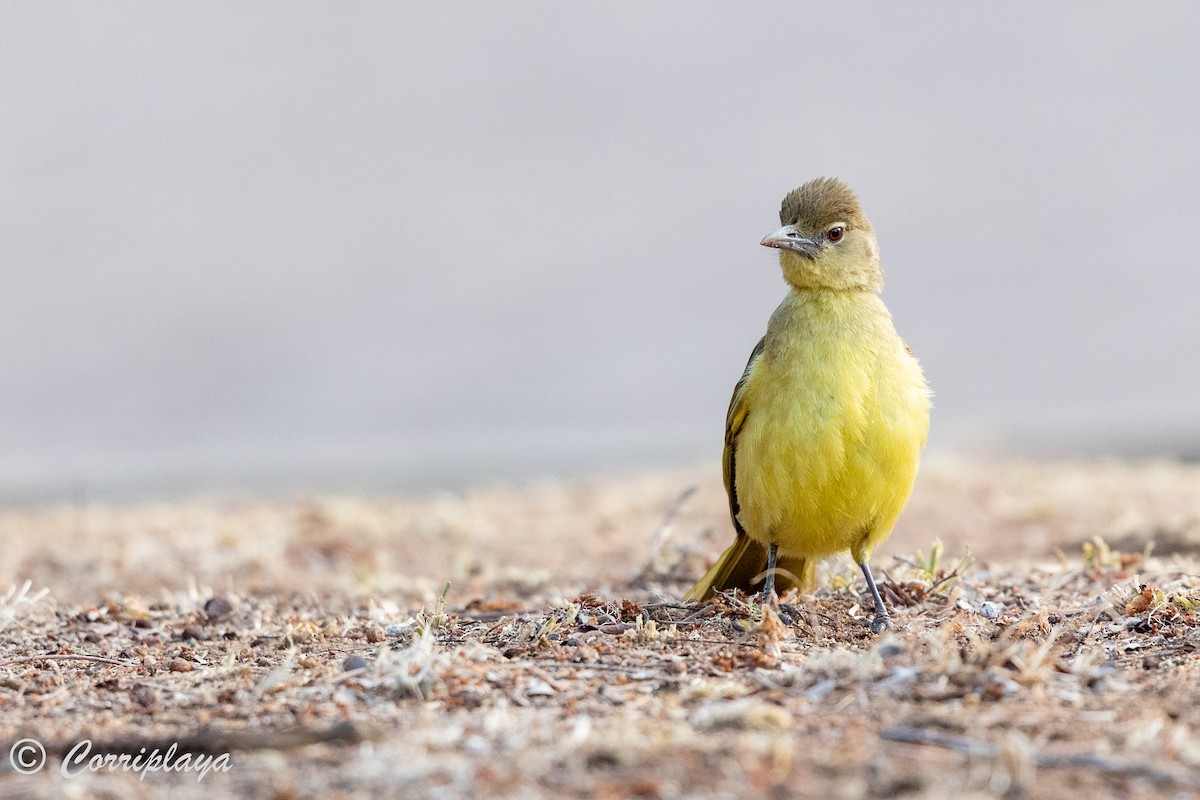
(788, 238)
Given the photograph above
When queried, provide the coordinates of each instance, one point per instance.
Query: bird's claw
(789, 614)
(881, 623)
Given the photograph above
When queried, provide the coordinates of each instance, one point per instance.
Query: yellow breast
(837, 411)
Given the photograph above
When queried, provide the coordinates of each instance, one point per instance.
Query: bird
(824, 433)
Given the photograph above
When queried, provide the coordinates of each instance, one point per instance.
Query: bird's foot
(789, 614)
(881, 623)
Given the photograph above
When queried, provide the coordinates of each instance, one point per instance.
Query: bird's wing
(742, 562)
(735, 419)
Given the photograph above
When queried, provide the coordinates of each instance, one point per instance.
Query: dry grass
(317, 643)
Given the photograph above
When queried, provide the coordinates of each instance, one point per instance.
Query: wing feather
(735, 420)
(746, 558)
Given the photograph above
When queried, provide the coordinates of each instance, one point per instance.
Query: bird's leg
(882, 618)
(787, 612)
(768, 592)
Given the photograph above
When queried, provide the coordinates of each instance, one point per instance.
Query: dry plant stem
(660, 534)
(1092, 761)
(584, 667)
(69, 657)
(697, 616)
(933, 587)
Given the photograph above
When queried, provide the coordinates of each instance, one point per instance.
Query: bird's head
(826, 242)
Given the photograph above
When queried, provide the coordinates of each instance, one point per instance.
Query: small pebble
(375, 635)
(180, 665)
(354, 662)
(889, 647)
(989, 609)
(587, 654)
(395, 630)
(217, 607)
(143, 695)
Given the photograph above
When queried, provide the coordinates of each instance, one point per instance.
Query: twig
(487, 616)
(1092, 761)
(1092, 627)
(662, 532)
(696, 616)
(959, 744)
(660, 535)
(579, 665)
(607, 627)
(944, 579)
(70, 657)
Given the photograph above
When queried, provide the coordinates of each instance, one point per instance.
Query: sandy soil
(308, 642)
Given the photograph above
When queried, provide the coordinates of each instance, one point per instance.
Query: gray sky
(401, 244)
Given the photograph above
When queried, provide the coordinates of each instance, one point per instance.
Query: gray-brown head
(826, 241)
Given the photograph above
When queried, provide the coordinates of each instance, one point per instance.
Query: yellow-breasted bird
(825, 428)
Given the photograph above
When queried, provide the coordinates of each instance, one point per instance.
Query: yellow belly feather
(837, 414)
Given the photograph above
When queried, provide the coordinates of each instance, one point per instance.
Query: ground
(529, 642)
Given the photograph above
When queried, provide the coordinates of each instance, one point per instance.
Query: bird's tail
(746, 560)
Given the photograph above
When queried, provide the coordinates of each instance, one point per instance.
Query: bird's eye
(835, 233)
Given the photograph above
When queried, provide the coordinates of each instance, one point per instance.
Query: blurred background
(395, 246)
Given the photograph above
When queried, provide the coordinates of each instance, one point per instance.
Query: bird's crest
(820, 202)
